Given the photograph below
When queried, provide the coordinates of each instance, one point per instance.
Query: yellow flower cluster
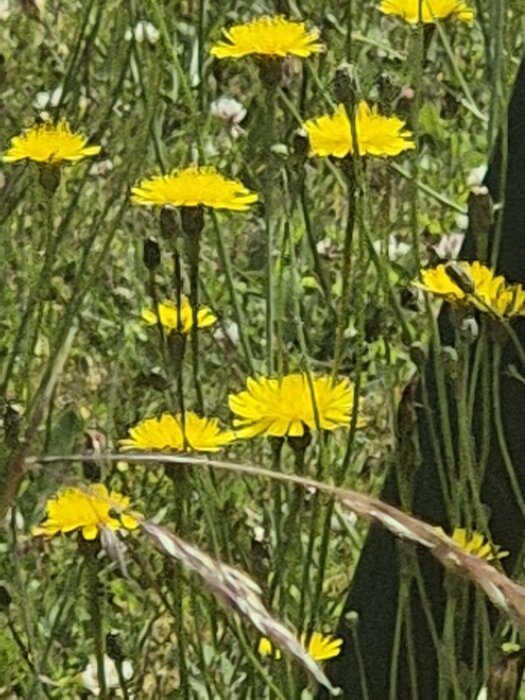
(285, 407)
(431, 10)
(331, 135)
(168, 316)
(193, 187)
(173, 433)
(474, 543)
(475, 285)
(321, 647)
(88, 510)
(268, 36)
(51, 144)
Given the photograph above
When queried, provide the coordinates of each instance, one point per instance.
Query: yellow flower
(430, 10)
(51, 144)
(474, 543)
(168, 315)
(320, 648)
(331, 135)
(88, 509)
(483, 290)
(268, 36)
(280, 407)
(193, 187)
(166, 434)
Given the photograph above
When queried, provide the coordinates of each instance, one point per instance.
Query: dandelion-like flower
(168, 315)
(331, 134)
(193, 187)
(286, 406)
(321, 647)
(430, 10)
(169, 433)
(483, 289)
(274, 37)
(51, 144)
(474, 543)
(88, 510)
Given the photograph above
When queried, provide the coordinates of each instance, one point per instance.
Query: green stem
(344, 303)
(225, 260)
(500, 431)
(93, 592)
(194, 301)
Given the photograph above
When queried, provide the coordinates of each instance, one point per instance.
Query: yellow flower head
(484, 289)
(168, 315)
(430, 10)
(280, 407)
(166, 434)
(193, 187)
(320, 648)
(87, 510)
(51, 144)
(474, 543)
(268, 36)
(331, 134)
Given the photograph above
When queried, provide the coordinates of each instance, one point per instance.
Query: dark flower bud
(5, 596)
(460, 277)
(151, 254)
(169, 223)
(192, 220)
(345, 86)
(114, 647)
(49, 178)
(270, 72)
(300, 145)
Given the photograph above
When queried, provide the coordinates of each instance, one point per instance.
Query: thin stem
(225, 260)
(344, 303)
(500, 431)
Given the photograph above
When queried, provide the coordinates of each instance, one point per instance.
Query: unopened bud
(270, 72)
(151, 254)
(192, 220)
(50, 178)
(460, 277)
(300, 145)
(169, 223)
(114, 647)
(345, 85)
(5, 596)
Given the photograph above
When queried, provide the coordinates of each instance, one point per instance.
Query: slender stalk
(94, 602)
(225, 261)
(344, 303)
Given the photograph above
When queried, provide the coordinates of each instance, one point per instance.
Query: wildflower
(285, 407)
(89, 676)
(483, 290)
(331, 134)
(474, 543)
(231, 113)
(88, 510)
(430, 10)
(193, 187)
(268, 36)
(168, 315)
(51, 144)
(169, 433)
(321, 647)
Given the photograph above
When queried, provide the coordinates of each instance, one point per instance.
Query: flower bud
(151, 254)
